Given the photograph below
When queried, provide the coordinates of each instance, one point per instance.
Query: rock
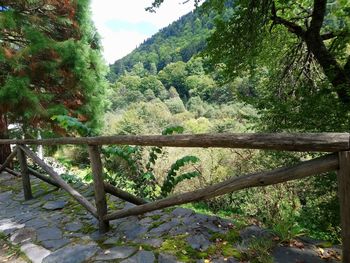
(146, 221)
(292, 255)
(179, 230)
(165, 258)
(97, 236)
(8, 226)
(112, 240)
(73, 227)
(23, 235)
(182, 212)
(55, 244)
(34, 253)
(37, 223)
(37, 204)
(135, 232)
(116, 253)
(212, 227)
(141, 257)
(254, 232)
(154, 242)
(162, 229)
(54, 205)
(25, 217)
(72, 254)
(129, 205)
(198, 242)
(57, 217)
(49, 233)
(4, 197)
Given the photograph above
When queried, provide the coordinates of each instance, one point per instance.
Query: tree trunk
(334, 72)
(5, 150)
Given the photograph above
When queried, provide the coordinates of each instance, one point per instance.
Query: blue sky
(124, 24)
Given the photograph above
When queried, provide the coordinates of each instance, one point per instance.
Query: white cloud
(118, 43)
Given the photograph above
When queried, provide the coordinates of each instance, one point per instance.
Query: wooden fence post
(344, 200)
(100, 194)
(22, 159)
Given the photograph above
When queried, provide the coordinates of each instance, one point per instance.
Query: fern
(143, 175)
(172, 178)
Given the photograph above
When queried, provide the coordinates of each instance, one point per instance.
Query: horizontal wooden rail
(316, 166)
(321, 142)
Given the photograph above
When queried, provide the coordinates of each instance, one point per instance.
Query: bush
(175, 105)
(200, 125)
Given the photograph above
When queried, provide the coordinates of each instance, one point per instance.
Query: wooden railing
(337, 144)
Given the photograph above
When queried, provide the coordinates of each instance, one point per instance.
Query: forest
(227, 67)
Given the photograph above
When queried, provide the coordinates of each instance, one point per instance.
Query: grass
(178, 246)
(155, 224)
(201, 208)
(259, 251)
(11, 251)
(156, 217)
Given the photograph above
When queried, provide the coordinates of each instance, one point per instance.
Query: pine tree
(50, 64)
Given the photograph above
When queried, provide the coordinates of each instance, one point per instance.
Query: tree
(50, 65)
(152, 83)
(315, 30)
(173, 75)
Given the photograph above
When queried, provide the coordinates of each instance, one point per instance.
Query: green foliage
(179, 42)
(127, 162)
(173, 178)
(175, 105)
(50, 64)
(259, 251)
(173, 129)
(71, 124)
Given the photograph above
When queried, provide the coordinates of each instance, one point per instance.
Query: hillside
(180, 41)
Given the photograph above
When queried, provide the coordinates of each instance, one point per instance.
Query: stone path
(54, 228)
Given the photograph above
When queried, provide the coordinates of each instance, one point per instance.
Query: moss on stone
(156, 217)
(231, 236)
(155, 225)
(179, 247)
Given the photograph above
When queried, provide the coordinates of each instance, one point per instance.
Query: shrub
(175, 105)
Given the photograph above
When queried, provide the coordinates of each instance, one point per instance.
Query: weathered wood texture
(12, 172)
(9, 159)
(344, 200)
(325, 142)
(43, 177)
(27, 189)
(76, 195)
(284, 174)
(100, 194)
(123, 195)
(108, 187)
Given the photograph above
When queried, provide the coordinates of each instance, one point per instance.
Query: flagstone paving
(52, 227)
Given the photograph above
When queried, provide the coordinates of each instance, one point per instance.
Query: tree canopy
(50, 64)
(296, 54)
(312, 31)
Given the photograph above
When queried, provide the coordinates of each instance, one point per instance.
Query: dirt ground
(9, 255)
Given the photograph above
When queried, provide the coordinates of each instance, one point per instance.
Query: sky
(124, 24)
